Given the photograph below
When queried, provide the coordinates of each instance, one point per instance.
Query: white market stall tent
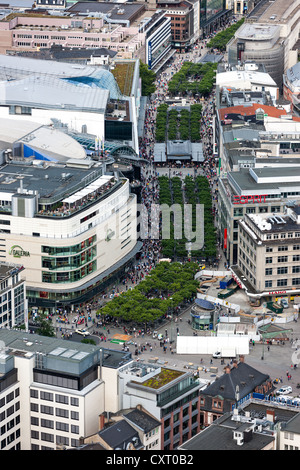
(228, 346)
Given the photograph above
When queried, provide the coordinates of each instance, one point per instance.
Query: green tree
(148, 79)
(45, 326)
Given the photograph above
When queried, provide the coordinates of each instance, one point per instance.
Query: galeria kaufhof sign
(249, 199)
(17, 251)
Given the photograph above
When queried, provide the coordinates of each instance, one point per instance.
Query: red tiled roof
(250, 110)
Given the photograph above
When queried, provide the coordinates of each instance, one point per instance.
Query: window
(47, 423)
(282, 270)
(268, 283)
(268, 271)
(47, 396)
(62, 426)
(269, 249)
(283, 248)
(35, 435)
(62, 440)
(9, 397)
(62, 413)
(48, 410)
(296, 269)
(74, 429)
(282, 259)
(281, 282)
(75, 415)
(47, 437)
(296, 281)
(74, 401)
(62, 399)
(269, 260)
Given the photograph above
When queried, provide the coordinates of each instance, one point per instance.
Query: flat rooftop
(117, 11)
(33, 343)
(271, 180)
(257, 31)
(277, 11)
(51, 182)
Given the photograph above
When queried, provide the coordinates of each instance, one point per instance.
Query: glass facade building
(101, 78)
(210, 10)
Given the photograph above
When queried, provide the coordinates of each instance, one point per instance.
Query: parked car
(217, 355)
(285, 390)
(82, 332)
(284, 303)
(285, 399)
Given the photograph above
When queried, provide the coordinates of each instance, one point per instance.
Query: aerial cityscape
(150, 227)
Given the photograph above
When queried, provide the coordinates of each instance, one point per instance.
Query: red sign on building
(249, 199)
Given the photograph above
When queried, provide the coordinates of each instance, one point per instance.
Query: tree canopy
(148, 79)
(166, 287)
(221, 39)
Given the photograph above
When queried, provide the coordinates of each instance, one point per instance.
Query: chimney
(242, 358)
(270, 415)
(235, 364)
(227, 370)
(101, 422)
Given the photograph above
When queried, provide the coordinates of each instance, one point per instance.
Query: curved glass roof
(100, 78)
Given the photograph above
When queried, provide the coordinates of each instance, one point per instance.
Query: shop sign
(249, 199)
(17, 251)
(277, 292)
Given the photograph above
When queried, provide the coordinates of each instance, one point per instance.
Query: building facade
(13, 303)
(268, 36)
(71, 229)
(51, 394)
(252, 191)
(171, 396)
(158, 40)
(268, 261)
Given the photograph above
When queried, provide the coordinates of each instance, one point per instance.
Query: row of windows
(69, 276)
(69, 262)
(9, 397)
(282, 270)
(9, 411)
(281, 259)
(58, 425)
(68, 250)
(65, 399)
(283, 282)
(49, 410)
(275, 236)
(11, 438)
(60, 440)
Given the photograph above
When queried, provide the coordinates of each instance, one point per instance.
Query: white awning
(98, 183)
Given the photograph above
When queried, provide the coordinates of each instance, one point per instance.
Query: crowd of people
(151, 250)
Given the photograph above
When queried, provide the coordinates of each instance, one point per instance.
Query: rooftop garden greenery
(163, 378)
(123, 73)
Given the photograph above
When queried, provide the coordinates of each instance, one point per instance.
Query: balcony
(81, 200)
